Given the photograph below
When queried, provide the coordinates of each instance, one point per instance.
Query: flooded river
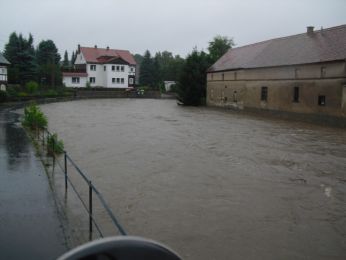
(212, 184)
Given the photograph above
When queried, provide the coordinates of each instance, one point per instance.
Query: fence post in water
(90, 211)
(65, 160)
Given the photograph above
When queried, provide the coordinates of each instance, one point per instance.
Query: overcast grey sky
(158, 25)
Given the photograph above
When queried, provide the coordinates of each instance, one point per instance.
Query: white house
(3, 72)
(108, 68)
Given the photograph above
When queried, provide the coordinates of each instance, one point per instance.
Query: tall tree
(66, 62)
(48, 60)
(219, 46)
(73, 58)
(192, 83)
(146, 76)
(21, 54)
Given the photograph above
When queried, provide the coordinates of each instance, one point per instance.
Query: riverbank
(30, 225)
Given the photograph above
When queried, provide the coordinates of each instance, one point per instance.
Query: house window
(118, 80)
(130, 81)
(113, 80)
(113, 68)
(104, 68)
(296, 94)
(93, 67)
(75, 80)
(323, 72)
(264, 93)
(92, 79)
(122, 80)
(321, 100)
(118, 68)
(122, 68)
(131, 69)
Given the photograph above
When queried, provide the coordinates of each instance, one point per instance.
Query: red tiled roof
(75, 74)
(320, 46)
(92, 55)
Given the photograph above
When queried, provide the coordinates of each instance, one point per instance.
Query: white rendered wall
(68, 82)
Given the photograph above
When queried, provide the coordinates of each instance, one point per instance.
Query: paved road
(29, 224)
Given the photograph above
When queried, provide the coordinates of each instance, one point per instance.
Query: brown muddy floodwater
(212, 184)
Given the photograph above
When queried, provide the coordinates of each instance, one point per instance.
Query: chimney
(95, 46)
(310, 30)
(78, 48)
(107, 48)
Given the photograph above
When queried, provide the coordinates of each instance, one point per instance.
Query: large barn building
(304, 73)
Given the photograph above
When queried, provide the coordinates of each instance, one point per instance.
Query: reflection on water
(212, 184)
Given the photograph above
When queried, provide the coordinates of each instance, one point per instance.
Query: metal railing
(43, 135)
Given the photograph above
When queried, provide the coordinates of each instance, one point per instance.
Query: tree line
(40, 64)
(43, 65)
(189, 73)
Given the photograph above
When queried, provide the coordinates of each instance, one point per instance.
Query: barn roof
(312, 47)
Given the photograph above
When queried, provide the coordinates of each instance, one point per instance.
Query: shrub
(3, 96)
(31, 87)
(51, 93)
(22, 94)
(55, 145)
(34, 118)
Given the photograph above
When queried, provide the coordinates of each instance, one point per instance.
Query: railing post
(65, 160)
(43, 137)
(53, 150)
(90, 211)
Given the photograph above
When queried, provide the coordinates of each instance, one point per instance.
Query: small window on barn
(264, 93)
(321, 100)
(296, 94)
(323, 72)
(296, 73)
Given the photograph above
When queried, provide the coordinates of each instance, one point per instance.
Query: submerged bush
(54, 144)
(31, 87)
(34, 118)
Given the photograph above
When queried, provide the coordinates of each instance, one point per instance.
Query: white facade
(103, 75)
(75, 81)
(3, 73)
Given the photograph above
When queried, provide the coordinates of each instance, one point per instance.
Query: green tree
(218, 47)
(191, 87)
(73, 58)
(146, 76)
(20, 52)
(48, 60)
(66, 62)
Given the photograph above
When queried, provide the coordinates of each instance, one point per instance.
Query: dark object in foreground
(121, 248)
